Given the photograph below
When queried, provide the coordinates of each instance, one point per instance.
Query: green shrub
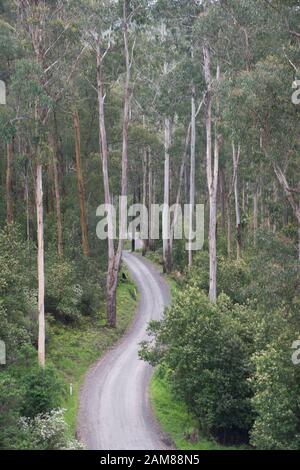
(47, 431)
(207, 347)
(10, 402)
(43, 391)
(63, 293)
(233, 276)
(277, 397)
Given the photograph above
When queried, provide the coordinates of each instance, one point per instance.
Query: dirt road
(114, 407)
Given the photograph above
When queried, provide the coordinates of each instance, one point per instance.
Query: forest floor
(74, 350)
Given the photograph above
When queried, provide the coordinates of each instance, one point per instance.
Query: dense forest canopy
(187, 102)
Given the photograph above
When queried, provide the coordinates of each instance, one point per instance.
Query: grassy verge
(74, 350)
(175, 419)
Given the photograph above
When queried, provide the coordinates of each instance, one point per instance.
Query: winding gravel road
(115, 412)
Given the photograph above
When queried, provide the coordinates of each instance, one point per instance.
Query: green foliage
(63, 294)
(207, 348)
(47, 431)
(276, 400)
(231, 363)
(18, 297)
(10, 399)
(43, 391)
(233, 276)
(177, 422)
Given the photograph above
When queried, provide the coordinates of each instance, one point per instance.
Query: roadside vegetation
(37, 410)
(227, 368)
(193, 102)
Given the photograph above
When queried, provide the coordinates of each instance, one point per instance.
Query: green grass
(74, 349)
(175, 419)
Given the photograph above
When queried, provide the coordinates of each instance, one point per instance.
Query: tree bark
(114, 258)
(192, 170)
(150, 195)
(57, 197)
(236, 158)
(41, 275)
(167, 255)
(255, 211)
(9, 198)
(80, 185)
(228, 228)
(212, 169)
(223, 203)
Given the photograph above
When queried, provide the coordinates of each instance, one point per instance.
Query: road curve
(114, 412)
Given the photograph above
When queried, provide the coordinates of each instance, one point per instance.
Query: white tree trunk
(236, 158)
(212, 175)
(166, 240)
(192, 170)
(41, 276)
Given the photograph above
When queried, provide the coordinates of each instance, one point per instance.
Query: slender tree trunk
(9, 198)
(275, 200)
(212, 175)
(145, 191)
(236, 158)
(80, 185)
(192, 170)
(167, 242)
(27, 206)
(255, 211)
(57, 197)
(223, 203)
(41, 276)
(150, 195)
(110, 278)
(228, 228)
(36, 32)
(244, 198)
(114, 258)
(167, 253)
(124, 178)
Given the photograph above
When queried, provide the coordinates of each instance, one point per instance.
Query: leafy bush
(72, 290)
(10, 399)
(63, 293)
(47, 431)
(274, 273)
(17, 296)
(43, 391)
(276, 401)
(233, 276)
(207, 347)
